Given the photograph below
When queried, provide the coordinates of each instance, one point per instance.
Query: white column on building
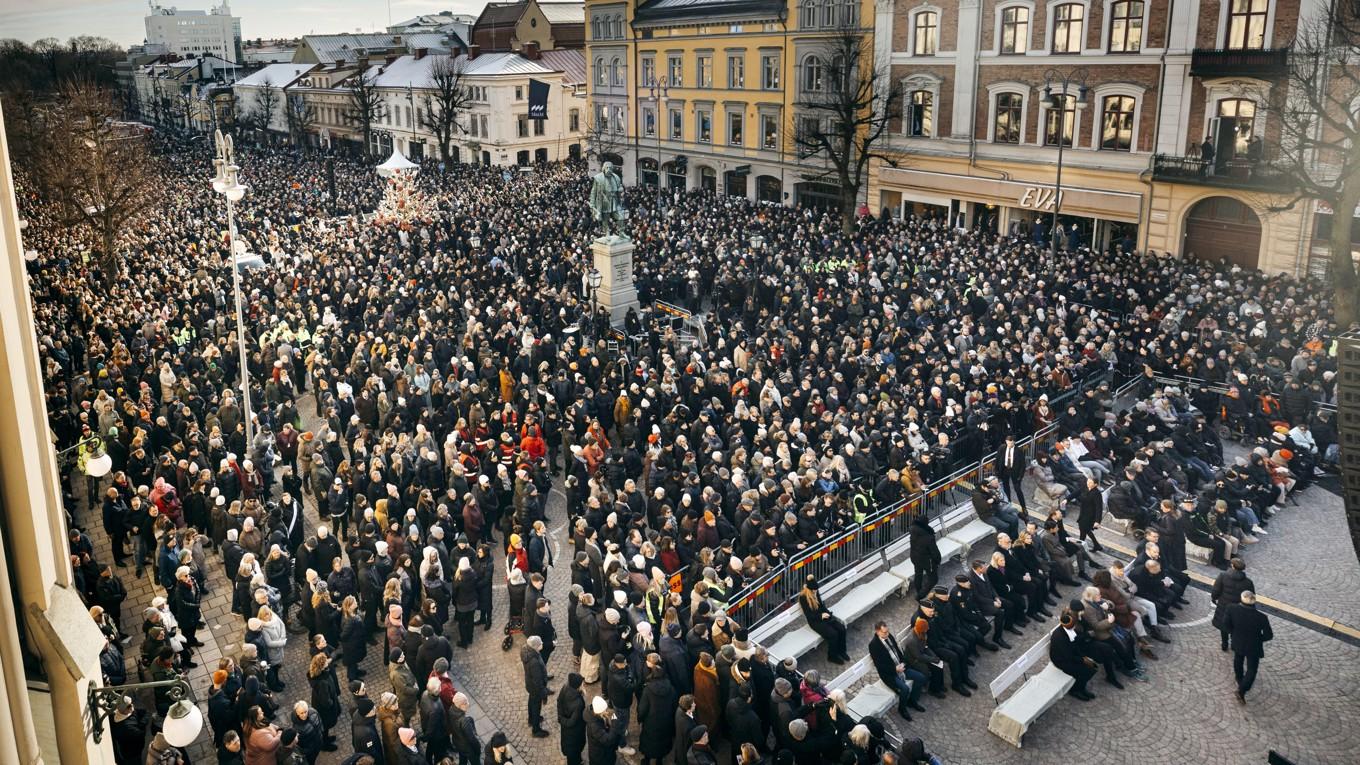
(1173, 133)
(965, 74)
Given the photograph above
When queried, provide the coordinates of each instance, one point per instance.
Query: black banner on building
(538, 100)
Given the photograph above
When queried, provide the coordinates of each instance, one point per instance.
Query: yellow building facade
(703, 94)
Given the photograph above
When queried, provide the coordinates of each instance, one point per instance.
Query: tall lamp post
(1062, 80)
(594, 278)
(227, 183)
(658, 96)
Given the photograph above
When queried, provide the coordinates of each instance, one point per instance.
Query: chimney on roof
(474, 51)
(530, 51)
(362, 61)
(391, 58)
(421, 53)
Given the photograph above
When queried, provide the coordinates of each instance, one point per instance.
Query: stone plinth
(614, 260)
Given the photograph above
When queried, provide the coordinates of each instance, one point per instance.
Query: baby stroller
(515, 625)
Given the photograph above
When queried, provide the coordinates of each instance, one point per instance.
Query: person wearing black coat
(221, 715)
(185, 605)
(325, 691)
(743, 724)
(353, 640)
(432, 648)
(619, 687)
(434, 722)
(821, 620)
(363, 728)
(1091, 506)
(465, 585)
(603, 734)
(925, 555)
(110, 593)
(656, 717)
(535, 683)
(1227, 592)
(684, 728)
(1065, 650)
(310, 737)
(543, 628)
(463, 731)
(675, 658)
(1010, 468)
(571, 707)
(1249, 630)
(129, 727)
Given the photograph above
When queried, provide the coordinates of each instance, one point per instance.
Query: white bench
(863, 598)
(905, 572)
(972, 533)
(1121, 525)
(791, 613)
(949, 548)
(875, 699)
(1195, 552)
(795, 643)
(1013, 717)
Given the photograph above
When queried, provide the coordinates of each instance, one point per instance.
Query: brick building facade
(1149, 82)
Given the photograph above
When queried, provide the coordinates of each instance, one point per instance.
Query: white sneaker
(1257, 530)
(1249, 540)
(627, 751)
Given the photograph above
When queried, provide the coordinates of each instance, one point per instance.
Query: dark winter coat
(1227, 592)
(655, 713)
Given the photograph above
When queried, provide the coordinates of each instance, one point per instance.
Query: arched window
(1247, 24)
(926, 33)
(618, 27)
(601, 74)
(808, 15)
(1014, 29)
(616, 72)
(814, 74)
(1239, 116)
(1067, 28)
(594, 28)
(829, 11)
(1010, 109)
(921, 113)
(850, 13)
(1126, 26)
(1116, 123)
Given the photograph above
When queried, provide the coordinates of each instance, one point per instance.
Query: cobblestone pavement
(1185, 713)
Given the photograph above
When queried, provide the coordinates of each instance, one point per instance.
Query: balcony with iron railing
(1267, 62)
(1257, 175)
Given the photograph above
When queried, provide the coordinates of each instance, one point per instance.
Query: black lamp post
(658, 96)
(1057, 101)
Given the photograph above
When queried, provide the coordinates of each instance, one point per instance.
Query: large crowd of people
(426, 385)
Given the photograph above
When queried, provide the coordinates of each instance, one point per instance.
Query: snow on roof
(277, 75)
(408, 71)
(564, 13)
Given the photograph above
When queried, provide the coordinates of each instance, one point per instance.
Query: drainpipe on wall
(972, 112)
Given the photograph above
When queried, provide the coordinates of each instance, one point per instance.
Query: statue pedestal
(613, 258)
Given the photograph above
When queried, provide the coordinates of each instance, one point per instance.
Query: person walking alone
(1250, 631)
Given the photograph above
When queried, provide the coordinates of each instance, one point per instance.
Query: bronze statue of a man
(606, 200)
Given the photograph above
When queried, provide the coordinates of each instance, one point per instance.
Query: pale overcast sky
(121, 20)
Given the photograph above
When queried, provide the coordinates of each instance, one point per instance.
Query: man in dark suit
(1064, 649)
(1010, 467)
(894, 672)
(1249, 630)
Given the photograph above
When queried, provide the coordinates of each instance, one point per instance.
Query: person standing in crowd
(1249, 631)
(1226, 593)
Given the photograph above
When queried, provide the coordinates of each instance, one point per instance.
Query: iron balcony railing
(1231, 173)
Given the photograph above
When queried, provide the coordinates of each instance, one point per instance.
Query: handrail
(914, 504)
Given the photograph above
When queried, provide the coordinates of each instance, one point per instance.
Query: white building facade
(195, 33)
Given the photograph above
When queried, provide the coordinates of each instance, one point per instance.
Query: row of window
(606, 27)
(1246, 28)
(828, 14)
(611, 118)
(614, 72)
(1059, 126)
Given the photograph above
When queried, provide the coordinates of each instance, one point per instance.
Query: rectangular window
(1060, 121)
(677, 125)
(648, 72)
(704, 71)
(674, 69)
(921, 113)
(473, 126)
(648, 122)
(1116, 123)
(1126, 26)
(619, 120)
(769, 131)
(485, 133)
(1247, 24)
(735, 123)
(927, 24)
(736, 71)
(522, 122)
(519, 92)
(809, 128)
(574, 120)
(703, 120)
(769, 72)
(1009, 110)
(538, 126)
(1067, 28)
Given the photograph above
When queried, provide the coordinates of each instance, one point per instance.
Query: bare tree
(366, 104)
(1318, 155)
(184, 108)
(301, 116)
(97, 170)
(601, 139)
(449, 99)
(845, 105)
(266, 104)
